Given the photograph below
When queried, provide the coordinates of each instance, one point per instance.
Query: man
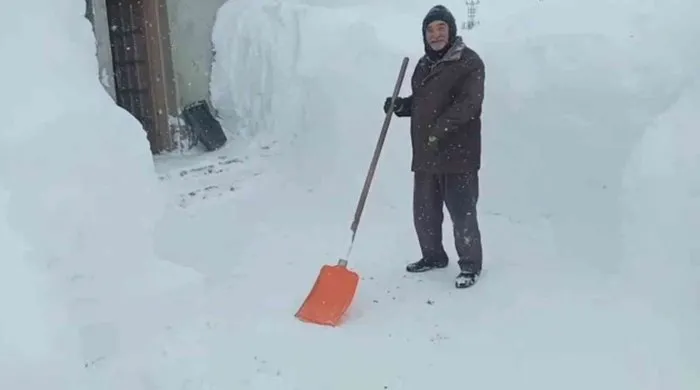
(445, 112)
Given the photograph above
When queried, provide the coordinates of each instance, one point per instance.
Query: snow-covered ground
(120, 275)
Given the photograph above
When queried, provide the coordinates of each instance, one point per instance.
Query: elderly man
(445, 112)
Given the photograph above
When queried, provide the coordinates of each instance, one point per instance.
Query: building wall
(191, 24)
(96, 13)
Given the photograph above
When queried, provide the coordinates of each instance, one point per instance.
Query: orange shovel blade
(330, 296)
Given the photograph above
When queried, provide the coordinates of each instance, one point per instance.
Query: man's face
(437, 35)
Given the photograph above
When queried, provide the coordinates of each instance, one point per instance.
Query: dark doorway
(143, 75)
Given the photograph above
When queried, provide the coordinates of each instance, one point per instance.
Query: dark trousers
(459, 193)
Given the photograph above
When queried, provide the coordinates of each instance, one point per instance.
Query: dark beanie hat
(440, 12)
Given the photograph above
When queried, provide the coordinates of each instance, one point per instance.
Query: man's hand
(387, 103)
(402, 106)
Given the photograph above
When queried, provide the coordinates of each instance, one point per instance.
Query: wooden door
(143, 77)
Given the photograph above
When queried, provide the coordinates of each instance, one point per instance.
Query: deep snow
(589, 203)
(79, 205)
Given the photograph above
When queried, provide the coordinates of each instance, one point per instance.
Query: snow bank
(660, 271)
(661, 185)
(314, 78)
(572, 87)
(573, 92)
(79, 178)
(33, 320)
(662, 208)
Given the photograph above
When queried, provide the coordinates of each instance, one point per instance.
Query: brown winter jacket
(446, 103)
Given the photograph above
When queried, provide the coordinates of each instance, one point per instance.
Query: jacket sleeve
(467, 102)
(404, 107)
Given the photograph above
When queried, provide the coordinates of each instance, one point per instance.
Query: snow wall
(78, 201)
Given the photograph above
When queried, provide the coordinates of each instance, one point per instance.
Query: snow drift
(33, 323)
(661, 198)
(82, 197)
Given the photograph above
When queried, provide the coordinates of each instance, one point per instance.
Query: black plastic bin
(205, 128)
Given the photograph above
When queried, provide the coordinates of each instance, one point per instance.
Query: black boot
(426, 264)
(466, 279)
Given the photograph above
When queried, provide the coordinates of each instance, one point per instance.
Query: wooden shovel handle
(377, 150)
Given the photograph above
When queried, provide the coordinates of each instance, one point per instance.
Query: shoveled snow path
(406, 331)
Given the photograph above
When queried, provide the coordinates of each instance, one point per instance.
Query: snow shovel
(335, 285)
